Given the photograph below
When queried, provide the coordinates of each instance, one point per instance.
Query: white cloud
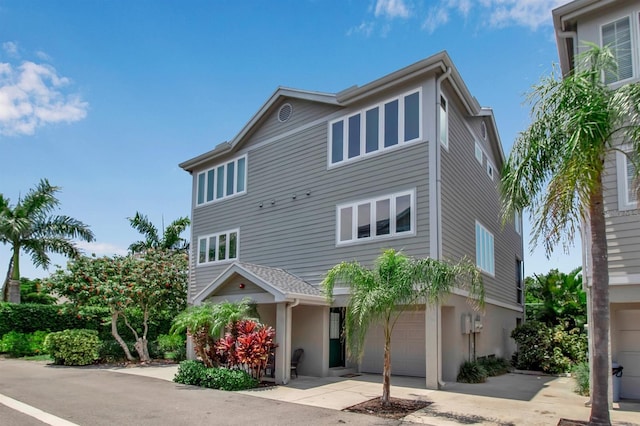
(365, 29)
(436, 17)
(527, 13)
(391, 9)
(31, 96)
(101, 249)
(10, 47)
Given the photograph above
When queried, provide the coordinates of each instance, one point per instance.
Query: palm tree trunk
(386, 370)
(5, 288)
(600, 311)
(13, 292)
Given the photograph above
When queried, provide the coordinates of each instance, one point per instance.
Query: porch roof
(281, 284)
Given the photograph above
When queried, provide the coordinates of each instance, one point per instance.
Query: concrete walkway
(511, 399)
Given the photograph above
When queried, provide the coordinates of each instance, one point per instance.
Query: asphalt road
(93, 396)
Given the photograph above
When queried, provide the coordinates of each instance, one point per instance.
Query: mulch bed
(397, 409)
(567, 422)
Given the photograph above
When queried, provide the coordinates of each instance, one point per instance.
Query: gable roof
(438, 63)
(283, 285)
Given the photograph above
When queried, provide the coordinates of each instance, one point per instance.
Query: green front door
(336, 343)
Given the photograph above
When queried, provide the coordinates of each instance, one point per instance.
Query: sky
(105, 98)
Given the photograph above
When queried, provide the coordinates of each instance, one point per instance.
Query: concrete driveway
(511, 399)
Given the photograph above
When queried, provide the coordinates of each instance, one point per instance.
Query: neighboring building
(617, 25)
(409, 161)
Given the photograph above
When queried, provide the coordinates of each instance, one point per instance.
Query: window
(617, 35)
(444, 123)
(479, 153)
(222, 181)
(218, 247)
(387, 125)
(490, 169)
(517, 222)
(484, 249)
(627, 182)
(381, 217)
(519, 275)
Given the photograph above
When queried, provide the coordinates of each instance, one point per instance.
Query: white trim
(217, 235)
(225, 196)
(489, 300)
(622, 182)
(381, 117)
(371, 202)
(446, 108)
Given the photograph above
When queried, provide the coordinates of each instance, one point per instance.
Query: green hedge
(73, 347)
(195, 373)
(28, 317)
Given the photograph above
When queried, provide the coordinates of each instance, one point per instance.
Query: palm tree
(170, 239)
(395, 284)
(29, 227)
(556, 168)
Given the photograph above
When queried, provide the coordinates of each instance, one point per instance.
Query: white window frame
(363, 117)
(491, 171)
(372, 218)
(215, 171)
(623, 182)
(485, 250)
(444, 122)
(633, 40)
(517, 222)
(217, 261)
(479, 153)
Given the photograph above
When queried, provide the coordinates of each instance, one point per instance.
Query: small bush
(73, 347)
(190, 372)
(110, 351)
(472, 372)
(195, 373)
(23, 344)
(580, 372)
(495, 366)
(172, 346)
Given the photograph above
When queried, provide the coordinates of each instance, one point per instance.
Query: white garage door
(628, 344)
(407, 347)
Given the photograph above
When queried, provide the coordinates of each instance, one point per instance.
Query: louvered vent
(285, 113)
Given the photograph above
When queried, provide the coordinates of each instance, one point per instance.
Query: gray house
(409, 161)
(615, 24)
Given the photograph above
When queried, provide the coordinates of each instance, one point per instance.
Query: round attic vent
(483, 130)
(285, 113)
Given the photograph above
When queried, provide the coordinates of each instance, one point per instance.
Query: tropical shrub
(247, 346)
(73, 347)
(472, 372)
(172, 345)
(580, 373)
(548, 349)
(195, 373)
(494, 366)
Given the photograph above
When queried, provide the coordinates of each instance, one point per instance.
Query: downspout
(287, 349)
(438, 209)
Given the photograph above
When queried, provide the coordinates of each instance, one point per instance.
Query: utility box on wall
(466, 324)
(477, 325)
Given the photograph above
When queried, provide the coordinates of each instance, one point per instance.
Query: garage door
(407, 347)
(628, 344)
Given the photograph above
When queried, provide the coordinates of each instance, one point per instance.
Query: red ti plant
(247, 345)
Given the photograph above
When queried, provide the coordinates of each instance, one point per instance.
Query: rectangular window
(484, 249)
(519, 282)
(617, 35)
(627, 180)
(372, 120)
(444, 123)
(222, 181)
(354, 136)
(387, 125)
(378, 211)
(490, 169)
(478, 153)
(517, 222)
(223, 246)
(391, 124)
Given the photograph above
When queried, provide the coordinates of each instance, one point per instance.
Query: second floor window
(484, 249)
(381, 217)
(222, 181)
(617, 35)
(627, 181)
(218, 247)
(376, 128)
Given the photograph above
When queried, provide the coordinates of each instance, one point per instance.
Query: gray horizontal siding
(469, 194)
(299, 234)
(623, 227)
